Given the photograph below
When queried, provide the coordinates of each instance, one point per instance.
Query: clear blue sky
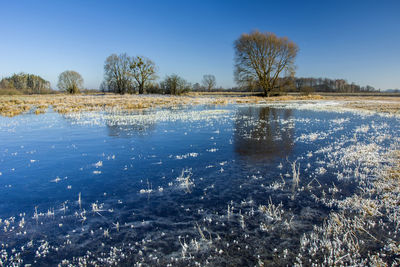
(355, 40)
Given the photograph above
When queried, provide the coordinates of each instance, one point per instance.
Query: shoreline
(11, 106)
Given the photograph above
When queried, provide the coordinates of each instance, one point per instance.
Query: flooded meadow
(304, 183)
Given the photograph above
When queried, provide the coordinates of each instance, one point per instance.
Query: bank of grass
(15, 105)
(62, 103)
(257, 99)
(380, 105)
(9, 92)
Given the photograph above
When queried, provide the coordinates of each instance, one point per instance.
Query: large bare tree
(142, 70)
(70, 81)
(117, 74)
(263, 57)
(209, 81)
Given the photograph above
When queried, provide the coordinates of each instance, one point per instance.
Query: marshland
(200, 133)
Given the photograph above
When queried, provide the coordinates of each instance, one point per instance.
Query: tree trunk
(141, 89)
(267, 92)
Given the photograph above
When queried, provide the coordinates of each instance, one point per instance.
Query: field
(15, 105)
(199, 180)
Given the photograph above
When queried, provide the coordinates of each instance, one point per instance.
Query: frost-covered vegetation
(16, 105)
(286, 183)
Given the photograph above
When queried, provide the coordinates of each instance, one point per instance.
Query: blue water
(47, 161)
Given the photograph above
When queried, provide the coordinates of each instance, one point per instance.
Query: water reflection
(263, 134)
(128, 131)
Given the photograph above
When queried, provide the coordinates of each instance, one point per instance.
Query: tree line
(310, 84)
(24, 83)
(263, 62)
(329, 85)
(137, 74)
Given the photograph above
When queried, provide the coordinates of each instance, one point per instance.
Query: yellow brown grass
(15, 105)
(392, 107)
(394, 172)
(258, 99)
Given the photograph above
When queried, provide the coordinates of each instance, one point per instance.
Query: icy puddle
(244, 185)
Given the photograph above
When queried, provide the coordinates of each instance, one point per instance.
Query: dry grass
(394, 173)
(227, 93)
(383, 104)
(296, 98)
(15, 105)
(392, 107)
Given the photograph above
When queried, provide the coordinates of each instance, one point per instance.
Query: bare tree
(209, 81)
(196, 87)
(70, 81)
(250, 84)
(142, 70)
(117, 74)
(175, 85)
(263, 57)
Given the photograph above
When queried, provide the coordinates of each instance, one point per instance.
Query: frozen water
(237, 185)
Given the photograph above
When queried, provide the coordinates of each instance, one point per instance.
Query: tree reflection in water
(130, 130)
(263, 134)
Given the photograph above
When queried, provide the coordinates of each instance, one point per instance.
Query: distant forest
(329, 85)
(309, 85)
(23, 83)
